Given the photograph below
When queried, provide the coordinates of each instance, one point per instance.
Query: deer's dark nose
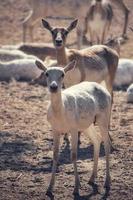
(59, 42)
(53, 87)
(58, 39)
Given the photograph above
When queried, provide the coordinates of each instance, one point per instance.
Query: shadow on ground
(13, 153)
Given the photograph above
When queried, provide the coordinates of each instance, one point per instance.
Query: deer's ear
(40, 65)
(72, 25)
(46, 25)
(70, 66)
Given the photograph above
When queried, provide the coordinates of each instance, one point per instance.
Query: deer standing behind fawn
(97, 63)
(98, 21)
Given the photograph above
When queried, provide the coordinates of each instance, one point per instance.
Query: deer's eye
(46, 74)
(65, 32)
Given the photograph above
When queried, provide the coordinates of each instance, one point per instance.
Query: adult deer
(98, 21)
(104, 6)
(97, 63)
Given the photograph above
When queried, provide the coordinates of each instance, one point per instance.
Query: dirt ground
(26, 137)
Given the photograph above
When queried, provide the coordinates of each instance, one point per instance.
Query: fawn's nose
(53, 87)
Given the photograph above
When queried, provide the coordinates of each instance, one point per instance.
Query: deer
(96, 63)
(98, 21)
(58, 9)
(99, 17)
(75, 109)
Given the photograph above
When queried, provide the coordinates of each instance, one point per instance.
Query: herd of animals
(88, 74)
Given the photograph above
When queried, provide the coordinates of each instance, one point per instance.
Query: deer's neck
(98, 6)
(61, 56)
(56, 103)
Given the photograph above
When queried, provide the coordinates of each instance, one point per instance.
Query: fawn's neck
(56, 102)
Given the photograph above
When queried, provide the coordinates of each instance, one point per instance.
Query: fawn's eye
(62, 75)
(46, 74)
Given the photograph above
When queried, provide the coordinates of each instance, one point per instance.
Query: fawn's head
(55, 75)
(59, 34)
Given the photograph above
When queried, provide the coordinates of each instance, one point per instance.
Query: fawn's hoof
(49, 193)
(76, 192)
(107, 186)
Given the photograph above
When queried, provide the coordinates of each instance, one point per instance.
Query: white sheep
(8, 55)
(130, 94)
(124, 73)
(75, 109)
(22, 69)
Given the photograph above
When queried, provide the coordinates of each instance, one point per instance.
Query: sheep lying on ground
(8, 55)
(124, 73)
(75, 109)
(130, 94)
(20, 70)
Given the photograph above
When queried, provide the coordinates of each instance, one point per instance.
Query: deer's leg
(98, 39)
(96, 140)
(105, 31)
(31, 32)
(26, 24)
(103, 125)
(85, 26)
(74, 143)
(91, 33)
(109, 85)
(56, 139)
(126, 22)
(79, 37)
(24, 32)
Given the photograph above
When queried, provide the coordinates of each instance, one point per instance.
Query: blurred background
(13, 13)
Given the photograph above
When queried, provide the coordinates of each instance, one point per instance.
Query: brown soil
(26, 138)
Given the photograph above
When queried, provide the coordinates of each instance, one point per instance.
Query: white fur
(130, 94)
(124, 73)
(22, 69)
(80, 95)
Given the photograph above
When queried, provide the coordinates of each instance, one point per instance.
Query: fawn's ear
(70, 66)
(72, 25)
(40, 65)
(46, 25)
(131, 28)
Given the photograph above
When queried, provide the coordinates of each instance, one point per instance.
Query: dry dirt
(26, 138)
